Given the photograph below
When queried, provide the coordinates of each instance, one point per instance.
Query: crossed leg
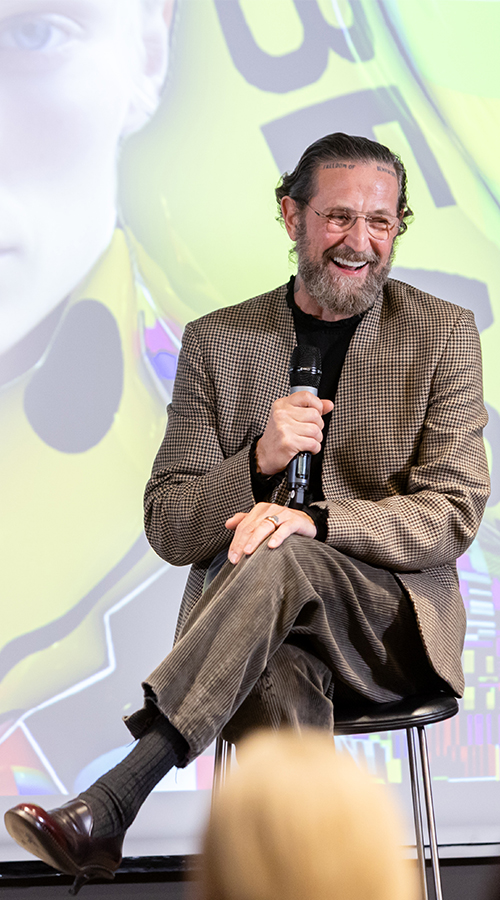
(266, 645)
(270, 637)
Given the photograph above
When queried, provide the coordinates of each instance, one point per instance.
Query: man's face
(344, 272)
(69, 77)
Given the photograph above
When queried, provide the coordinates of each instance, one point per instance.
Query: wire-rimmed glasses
(339, 221)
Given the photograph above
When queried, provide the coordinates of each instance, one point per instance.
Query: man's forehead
(371, 179)
(343, 167)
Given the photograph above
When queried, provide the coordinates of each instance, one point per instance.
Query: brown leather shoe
(62, 838)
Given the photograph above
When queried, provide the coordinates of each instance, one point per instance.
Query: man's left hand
(251, 529)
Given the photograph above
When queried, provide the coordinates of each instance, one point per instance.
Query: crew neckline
(311, 322)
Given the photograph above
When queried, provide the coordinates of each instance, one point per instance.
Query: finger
(280, 535)
(305, 398)
(306, 422)
(248, 536)
(302, 445)
(299, 443)
(260, 533)
(299, 523)
(283, 520)
(235, 520)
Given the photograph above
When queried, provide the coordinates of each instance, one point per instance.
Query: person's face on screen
(75, 77)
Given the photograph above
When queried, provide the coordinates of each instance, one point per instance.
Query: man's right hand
(295, 426)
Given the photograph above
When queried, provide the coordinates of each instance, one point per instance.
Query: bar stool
(411, 714)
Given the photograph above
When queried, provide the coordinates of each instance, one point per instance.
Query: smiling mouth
(349, 265)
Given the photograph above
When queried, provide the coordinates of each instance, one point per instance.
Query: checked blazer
(404, 470)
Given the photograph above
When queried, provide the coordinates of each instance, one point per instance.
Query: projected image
(142, 144)
(88, 352)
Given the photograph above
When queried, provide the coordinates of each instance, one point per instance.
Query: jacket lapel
(356, 394)
(281, 344)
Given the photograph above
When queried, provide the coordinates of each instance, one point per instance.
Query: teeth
(347, 264)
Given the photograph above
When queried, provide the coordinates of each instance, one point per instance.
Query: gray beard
(342, 294)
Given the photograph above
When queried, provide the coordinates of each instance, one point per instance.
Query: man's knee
(295, 550)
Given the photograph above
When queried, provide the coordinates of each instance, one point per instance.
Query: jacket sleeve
(437, 517)
(193, 488)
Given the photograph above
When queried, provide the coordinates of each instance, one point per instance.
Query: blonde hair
(296, 820)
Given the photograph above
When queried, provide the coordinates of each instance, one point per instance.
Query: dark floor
(172, 891)
(170, 877)
(477, 879)
(470, 879)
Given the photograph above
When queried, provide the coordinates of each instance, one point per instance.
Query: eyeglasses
(339, 221)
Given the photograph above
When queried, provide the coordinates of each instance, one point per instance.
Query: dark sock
(116, 797)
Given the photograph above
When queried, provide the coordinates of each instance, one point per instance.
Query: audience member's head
(295, 821)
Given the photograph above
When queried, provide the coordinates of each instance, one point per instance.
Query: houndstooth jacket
(404, 470)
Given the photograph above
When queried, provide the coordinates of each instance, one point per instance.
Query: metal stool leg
(429, 803)
(417, 809)
(219, 752)
(222, 764)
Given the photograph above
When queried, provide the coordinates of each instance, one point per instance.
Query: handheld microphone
(305, 375)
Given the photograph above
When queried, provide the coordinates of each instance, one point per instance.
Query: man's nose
(357, 237)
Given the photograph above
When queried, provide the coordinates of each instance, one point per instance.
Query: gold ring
(274, 520)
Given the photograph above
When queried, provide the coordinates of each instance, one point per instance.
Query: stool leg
(227, 758)
(222, 764)
(417, 809)
(429, 803)
(218, 765)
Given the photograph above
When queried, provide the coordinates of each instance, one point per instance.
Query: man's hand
(295, 425)
(250, 529)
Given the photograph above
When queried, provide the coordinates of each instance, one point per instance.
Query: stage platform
(176, 878)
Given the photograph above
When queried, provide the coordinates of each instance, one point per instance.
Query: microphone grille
(305, 366)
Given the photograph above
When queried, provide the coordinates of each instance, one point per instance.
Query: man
(357, 593)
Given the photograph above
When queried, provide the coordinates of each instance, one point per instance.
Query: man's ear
(291, 216)
(152, 65)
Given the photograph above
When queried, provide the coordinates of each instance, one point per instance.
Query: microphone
(305, 375)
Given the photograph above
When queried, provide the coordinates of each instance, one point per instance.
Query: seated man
(356, 593)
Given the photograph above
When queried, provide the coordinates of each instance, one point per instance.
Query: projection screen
(187, 113)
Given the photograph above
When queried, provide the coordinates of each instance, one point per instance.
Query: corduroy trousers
(275, 638)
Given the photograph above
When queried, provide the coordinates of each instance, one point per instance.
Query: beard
(342, 294)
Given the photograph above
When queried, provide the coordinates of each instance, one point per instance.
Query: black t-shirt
(332, 340)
